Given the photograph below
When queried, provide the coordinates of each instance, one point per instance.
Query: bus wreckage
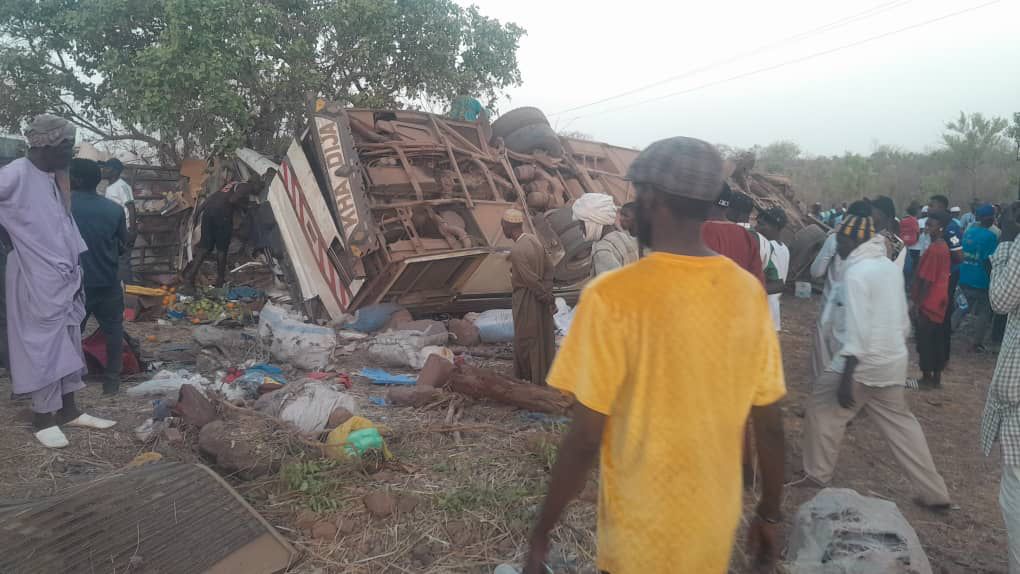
(405, 206)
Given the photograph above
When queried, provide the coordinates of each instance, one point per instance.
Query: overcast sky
(896, 90)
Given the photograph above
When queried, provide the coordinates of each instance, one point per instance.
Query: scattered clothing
(45, 306)
(614, 250)
(737, 243)
(531, 276)
(630, 333)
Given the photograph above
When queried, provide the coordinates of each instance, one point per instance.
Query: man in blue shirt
(954, 239)
(979, 242)
(102, 225)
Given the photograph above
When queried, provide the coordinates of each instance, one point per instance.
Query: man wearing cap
(979, 242)
(45, 305)
(731, 239)
(120, 193)
(771, 223)
(667, 357)
(531, 276)
(869, 370)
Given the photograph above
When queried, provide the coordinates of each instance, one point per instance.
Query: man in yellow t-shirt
(666, 358)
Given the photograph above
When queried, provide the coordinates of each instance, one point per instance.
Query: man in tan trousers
(869, 370)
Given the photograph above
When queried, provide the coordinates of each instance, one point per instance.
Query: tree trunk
(484, 384)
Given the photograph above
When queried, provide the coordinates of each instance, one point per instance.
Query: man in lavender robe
(45, 303)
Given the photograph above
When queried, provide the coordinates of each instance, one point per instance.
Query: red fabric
(94, 348)
(735, 242)
(910, 231)
(934, 269)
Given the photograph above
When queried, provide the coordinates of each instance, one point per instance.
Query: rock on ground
(841, 531)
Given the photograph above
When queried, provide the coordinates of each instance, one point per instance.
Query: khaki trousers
(825, 423)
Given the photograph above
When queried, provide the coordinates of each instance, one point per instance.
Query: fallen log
(484, 384)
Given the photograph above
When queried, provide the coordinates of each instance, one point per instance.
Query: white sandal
(91, 422)
(52, 437)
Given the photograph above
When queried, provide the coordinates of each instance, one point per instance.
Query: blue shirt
(978, 245)
(102, 225)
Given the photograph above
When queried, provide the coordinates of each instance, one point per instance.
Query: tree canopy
(191, 76)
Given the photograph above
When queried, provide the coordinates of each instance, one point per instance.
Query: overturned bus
(405, 206)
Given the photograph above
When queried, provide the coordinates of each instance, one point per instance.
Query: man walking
(103, 227)
(979, 242)
(731, 239)
(1001, 420)
(669, 439)
(44, 298)
(531, 276)
(869, 369)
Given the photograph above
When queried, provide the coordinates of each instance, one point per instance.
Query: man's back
(741, 245)
(978, 245)
(674, 350)
(102, 226)
(877, 323)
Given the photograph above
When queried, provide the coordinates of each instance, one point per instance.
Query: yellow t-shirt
(674, 350)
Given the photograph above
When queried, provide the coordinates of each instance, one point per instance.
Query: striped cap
(858, 228)
(513, 216)
(681, 166)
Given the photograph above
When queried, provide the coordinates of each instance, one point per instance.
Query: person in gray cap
(666, 359)
(45, 305)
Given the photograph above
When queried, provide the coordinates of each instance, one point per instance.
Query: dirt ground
(467, 501)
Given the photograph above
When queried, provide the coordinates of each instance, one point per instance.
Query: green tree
(777, 157)
(189, 77)
(969, 139)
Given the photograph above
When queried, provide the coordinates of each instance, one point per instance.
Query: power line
(790, 62)
(870, 12)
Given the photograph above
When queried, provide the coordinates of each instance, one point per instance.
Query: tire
(534, 137)
(516, 119)
(804, 247)
(560, 219)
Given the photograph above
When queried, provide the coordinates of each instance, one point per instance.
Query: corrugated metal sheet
(174, 517)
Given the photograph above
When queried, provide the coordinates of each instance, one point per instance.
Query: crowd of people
(684, 276)
(708, 290)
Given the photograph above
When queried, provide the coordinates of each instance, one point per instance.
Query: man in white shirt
(869, 369)
(120, 193)
(777, 263)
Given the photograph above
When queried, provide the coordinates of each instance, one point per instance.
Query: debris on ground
(169, 383)
(154, 518)
(436, 371)
(305, 403)
(193, 407)
(416, 396)
(485, 384)
(355, 438)
(381, 377)
(301, 344)
(841, 531)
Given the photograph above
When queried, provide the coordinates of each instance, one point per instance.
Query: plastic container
(802, 289)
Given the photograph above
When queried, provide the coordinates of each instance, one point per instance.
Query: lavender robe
(45, 304)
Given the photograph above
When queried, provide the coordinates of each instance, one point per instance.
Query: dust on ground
(465, 503)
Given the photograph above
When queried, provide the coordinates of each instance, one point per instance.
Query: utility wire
(791, 62)
(870, 12)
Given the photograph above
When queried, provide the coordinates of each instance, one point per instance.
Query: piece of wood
(484, 384)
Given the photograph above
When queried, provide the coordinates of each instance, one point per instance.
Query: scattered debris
(193, 407)
(155, 518)
(840, 530)
(496, 326)
(436, 372)
(144, 458)
(303, 345)
(356, 437)
(305, 403)
(339, 416)
(416, 396)
(484, 384)
(463, 332)
(381, 377)
(169, 383)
